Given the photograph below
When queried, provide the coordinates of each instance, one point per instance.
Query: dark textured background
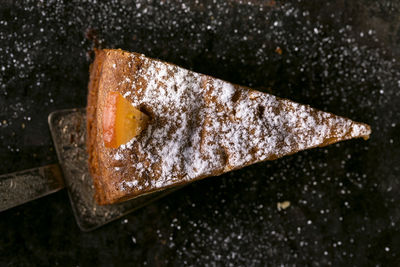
(340, 56)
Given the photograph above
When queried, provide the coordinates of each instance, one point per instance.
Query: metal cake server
(68, 130)
(20, 187)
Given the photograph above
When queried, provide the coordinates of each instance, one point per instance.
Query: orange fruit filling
(121, 120)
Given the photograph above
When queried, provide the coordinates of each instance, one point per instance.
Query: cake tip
(361, 130)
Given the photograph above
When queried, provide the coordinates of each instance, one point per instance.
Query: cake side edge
(91, 123)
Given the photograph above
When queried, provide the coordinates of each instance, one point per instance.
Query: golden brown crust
(103, 78)
(91, 114)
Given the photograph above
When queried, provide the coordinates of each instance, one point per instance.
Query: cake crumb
(282, 205)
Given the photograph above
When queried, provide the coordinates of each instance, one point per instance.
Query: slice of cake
(154, 125)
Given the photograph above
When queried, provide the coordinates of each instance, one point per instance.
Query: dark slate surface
(340, 56)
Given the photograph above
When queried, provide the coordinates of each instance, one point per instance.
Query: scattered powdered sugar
(204, 126)
(335, 55)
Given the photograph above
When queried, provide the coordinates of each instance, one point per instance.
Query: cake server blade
(68, 130)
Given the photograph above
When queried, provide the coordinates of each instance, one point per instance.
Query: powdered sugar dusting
(117, 156)
(204, 126)
(227, 92)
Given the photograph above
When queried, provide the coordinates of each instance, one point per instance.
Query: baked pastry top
(199, 126)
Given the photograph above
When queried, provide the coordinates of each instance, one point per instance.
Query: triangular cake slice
(198, 126)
